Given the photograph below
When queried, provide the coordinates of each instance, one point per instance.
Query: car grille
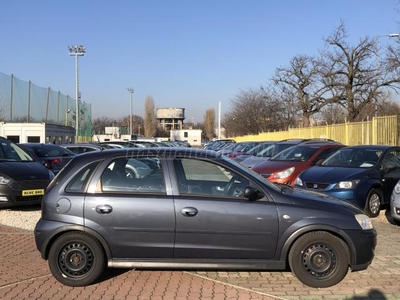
(30, 185)
(36, 199)
(316, 185)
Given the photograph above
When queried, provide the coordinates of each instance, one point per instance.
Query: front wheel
(319, 259)
(373, 203)
(76, 259)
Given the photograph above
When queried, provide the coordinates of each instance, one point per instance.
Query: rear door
(135, 215)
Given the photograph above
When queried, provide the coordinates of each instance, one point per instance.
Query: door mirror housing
(252, 193)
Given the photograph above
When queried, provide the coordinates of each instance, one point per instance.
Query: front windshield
(256, 149)
(297, 153)
(11, 152)
(273, 149)
(353, 158)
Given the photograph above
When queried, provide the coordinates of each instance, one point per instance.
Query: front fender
(286, 244)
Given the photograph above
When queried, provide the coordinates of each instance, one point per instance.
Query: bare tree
(150, 122)
(99, 124)
(354, 74)
(209, 123)
(301, 87)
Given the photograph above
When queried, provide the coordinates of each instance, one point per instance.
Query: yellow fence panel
(379, 130)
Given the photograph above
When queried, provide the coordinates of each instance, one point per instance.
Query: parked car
(253, 151)
(270, 151)
(133, 168)
(241, 148)
(79, 148)
(364, 175)
(53, 157)
(395, 204)
(199, 210)
(285, 166)
(22, 179)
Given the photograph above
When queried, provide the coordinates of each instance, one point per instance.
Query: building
(192, 136)
(37, 133)
(170, 118)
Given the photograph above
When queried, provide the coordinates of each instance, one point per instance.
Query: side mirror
(252, 193)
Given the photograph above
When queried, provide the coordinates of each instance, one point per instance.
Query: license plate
(32, 192)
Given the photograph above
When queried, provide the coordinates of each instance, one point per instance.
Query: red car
(285, 166)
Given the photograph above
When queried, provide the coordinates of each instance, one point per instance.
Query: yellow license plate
(32, 192)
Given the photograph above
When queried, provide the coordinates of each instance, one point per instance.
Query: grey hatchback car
(196, 209)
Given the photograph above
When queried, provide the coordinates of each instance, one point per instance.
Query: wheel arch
(75, 228)
(294, 236)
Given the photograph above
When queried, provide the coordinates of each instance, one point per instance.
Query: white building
(193, 136)
(37, 133)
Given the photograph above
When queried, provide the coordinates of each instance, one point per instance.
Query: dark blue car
(364, 175)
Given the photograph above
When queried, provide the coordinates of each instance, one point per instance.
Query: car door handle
(104, 209)
(189, 211)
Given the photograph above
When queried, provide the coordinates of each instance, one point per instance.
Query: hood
(315, 199)
(271, 166)
(21, 170)
(331, 174)
(251, 161)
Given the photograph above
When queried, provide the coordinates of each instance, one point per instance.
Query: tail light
(49, 164)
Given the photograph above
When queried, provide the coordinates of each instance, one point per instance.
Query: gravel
(21, 217)
(27, 217)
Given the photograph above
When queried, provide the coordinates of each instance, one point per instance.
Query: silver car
(395, 204)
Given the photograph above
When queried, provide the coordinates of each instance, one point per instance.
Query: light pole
(391, 35)
(66, 116)
(130, 90)
(76, 51)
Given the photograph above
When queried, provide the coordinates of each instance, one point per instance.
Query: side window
(324, 154)
(80, 180)
(391, 159)
(207, 178)
(133, 175)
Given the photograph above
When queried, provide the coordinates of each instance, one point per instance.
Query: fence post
(374, 130)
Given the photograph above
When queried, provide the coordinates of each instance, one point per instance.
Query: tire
(319, 259)
(373, 203)
(76, 259)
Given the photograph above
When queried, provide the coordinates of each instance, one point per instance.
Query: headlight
(397, 188)
(347, 184)
(4, 180)
(284, 173)
(364, 221)
(298, 181)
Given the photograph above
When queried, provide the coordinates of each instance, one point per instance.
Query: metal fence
(22, 101)
(378, 131)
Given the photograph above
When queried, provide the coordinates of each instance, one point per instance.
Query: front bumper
(363, 248)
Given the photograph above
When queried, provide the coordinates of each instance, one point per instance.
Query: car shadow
(111, 273)
(35, 207)
(372, 294)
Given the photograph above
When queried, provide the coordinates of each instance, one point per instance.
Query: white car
(395, 204)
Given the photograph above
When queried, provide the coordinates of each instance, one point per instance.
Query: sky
(186, 54)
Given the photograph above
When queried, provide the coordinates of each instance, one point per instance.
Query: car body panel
(201, 217)
(325, 178)
(298, 158)
(22, 180)
(54, 157)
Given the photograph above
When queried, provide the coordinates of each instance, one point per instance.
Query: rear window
(50, 151)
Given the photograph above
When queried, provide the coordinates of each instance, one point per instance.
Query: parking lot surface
(24, 275)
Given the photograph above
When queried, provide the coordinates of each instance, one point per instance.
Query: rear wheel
(373, 203)
(319, 259)
(76, 259)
